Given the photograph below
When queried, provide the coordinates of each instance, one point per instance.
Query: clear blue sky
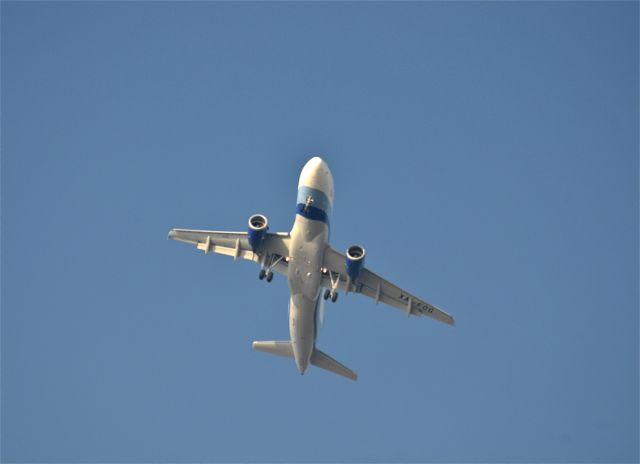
(485, 154)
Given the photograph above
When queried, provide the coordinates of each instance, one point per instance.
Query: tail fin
(279, 348)
(324, 361)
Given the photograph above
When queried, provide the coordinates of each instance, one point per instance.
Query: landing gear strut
(334, 285)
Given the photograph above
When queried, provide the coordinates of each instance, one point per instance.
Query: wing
(374, 286)
(273, 251)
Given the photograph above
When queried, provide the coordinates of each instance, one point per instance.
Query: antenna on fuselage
(308, 203)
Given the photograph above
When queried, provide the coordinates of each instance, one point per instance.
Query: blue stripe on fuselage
(320, 199)
(311, 212)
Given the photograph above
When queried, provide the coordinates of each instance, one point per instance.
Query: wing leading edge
(377, 288)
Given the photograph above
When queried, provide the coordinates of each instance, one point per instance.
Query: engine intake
(258, 226)
(355, 261)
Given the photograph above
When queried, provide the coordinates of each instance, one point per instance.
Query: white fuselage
(309, 240)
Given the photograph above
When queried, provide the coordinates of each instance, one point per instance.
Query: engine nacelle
(355, 261)
(258, 226)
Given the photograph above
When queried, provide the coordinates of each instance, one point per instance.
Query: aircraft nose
(316, 163)
(316, 174)
(317, 166)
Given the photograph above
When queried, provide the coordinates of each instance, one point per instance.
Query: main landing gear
(265, 273)
(330, 294)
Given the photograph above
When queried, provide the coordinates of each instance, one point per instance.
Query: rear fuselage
(309, 240)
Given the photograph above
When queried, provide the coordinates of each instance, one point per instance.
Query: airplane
(310, 264)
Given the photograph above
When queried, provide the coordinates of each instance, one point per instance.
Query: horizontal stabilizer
(280, 348)
(324, 361)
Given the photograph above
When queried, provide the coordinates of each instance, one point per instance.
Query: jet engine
(258, 226)
(355, 261)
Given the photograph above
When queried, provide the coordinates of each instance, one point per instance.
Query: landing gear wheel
(269, 276)
(334, 297)
(262, 274)
(327, 294)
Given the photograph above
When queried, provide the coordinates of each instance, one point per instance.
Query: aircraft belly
(301, 329)
(308, 242)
